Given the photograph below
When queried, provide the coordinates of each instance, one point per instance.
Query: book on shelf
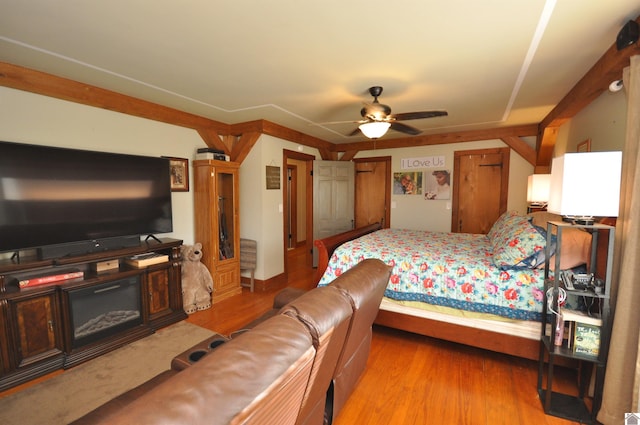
(582, 331)
(586, 339)
(146, 259)
(570, 319)
(52, 278)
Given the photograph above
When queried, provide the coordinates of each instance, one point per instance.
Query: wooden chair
(248, 258)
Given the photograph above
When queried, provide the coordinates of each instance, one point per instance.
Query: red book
(34, 281)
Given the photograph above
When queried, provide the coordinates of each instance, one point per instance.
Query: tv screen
(52, 195)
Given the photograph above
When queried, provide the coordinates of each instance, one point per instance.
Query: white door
(333, 198)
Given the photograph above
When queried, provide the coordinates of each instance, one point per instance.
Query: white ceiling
(298, 63)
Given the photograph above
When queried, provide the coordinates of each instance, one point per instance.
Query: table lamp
(585, 185)
(538, 190)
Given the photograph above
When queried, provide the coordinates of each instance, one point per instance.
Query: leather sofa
(296, 365)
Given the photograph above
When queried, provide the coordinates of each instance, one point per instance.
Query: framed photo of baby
(438, 185)
(407, 183)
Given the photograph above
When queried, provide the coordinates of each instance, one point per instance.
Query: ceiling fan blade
(419, 115)
(355, 132)
(403, 128)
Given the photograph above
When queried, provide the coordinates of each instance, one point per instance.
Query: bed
(486, 291)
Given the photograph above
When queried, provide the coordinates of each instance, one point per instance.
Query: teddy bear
(197, 283)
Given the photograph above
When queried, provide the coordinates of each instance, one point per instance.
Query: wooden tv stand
(36, 331)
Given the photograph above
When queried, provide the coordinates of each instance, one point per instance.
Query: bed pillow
(518, 244)
(500, 224)
(576, 242)
(537, 260)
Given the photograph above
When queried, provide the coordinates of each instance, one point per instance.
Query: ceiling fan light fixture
(374, 130)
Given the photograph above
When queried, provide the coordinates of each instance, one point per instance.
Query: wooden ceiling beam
(21, 78)
(325, 148)
(348, 155)
(212, 138)
(243, 145)
(521, 147)
(441, 139)
(606, 70)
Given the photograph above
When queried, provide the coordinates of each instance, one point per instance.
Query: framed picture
(438, 185)
(407, 183)
(584, 146)
(179, 174)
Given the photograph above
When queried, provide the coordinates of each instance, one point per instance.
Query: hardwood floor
(412, 379)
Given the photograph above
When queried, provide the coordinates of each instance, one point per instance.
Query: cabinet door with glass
(217, 224)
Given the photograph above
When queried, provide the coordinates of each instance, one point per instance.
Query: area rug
(79, 390)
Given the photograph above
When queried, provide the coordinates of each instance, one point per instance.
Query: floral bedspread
(448, 269)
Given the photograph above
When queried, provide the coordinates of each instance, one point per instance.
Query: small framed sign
(273, 177)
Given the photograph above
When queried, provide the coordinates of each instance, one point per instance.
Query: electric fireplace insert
(103, 310)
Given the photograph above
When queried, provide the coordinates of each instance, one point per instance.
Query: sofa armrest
(285, 296)
(281, 299)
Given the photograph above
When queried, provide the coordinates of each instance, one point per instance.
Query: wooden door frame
(387, 186)
(308, 159)
(292, 210)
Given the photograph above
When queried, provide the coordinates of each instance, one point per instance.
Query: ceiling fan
(377, 118)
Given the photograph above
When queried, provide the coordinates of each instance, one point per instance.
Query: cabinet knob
(50, 324)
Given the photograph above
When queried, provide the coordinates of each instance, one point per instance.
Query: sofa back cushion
(364, 284)
(326, 312)
(257, 378)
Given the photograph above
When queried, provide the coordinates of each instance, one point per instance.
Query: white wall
(414, 212)
(261, 210)
(30, 118)
(603, 121)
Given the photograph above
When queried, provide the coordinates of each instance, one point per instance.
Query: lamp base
(585, 220)
(536, 206)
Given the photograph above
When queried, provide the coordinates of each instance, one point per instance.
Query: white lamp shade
(538, 188)
(374, 130)
(586, 184)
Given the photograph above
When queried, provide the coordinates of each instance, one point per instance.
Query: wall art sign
(422, 162)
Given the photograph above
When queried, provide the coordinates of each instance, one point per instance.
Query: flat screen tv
(51, 196)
